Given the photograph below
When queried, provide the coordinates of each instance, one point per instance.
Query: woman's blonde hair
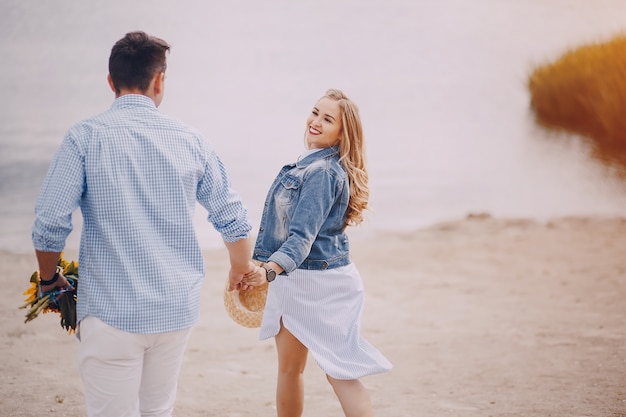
(352, 156)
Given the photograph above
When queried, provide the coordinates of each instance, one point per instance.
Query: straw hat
(246, 307)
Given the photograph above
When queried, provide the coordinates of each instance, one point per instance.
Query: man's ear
(158, 82)
(110, 81)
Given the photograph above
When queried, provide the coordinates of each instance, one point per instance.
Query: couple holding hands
(136, 175)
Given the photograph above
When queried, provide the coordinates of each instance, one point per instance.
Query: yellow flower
(71, 268)
(62, 301)
(31, 292)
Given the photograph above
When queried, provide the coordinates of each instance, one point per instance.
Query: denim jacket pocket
(288, 190)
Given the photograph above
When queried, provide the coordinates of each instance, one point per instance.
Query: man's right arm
(60, 196)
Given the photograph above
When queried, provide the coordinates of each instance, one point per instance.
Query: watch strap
(50, 281)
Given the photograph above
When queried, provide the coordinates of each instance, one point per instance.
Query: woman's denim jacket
(303, 219)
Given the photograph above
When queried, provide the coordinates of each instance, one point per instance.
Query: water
(440, 84)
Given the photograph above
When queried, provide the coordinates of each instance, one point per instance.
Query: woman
(315, 302)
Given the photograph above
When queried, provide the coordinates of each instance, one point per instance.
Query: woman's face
(323, 125)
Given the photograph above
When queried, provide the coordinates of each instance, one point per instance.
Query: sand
(480, 317)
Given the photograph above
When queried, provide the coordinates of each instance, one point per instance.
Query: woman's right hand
(255, 278)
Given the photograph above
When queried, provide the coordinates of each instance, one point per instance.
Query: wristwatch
(51, 281)
(270, 274)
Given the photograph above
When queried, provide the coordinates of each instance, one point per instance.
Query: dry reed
(584, 92)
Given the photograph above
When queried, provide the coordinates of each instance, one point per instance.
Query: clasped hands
(255, 277)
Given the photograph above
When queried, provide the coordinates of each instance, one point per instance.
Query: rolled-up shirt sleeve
(60, 196)
(226, 211)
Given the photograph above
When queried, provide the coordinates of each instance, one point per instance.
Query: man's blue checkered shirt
(136, 176)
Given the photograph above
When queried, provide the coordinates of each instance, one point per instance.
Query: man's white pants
(128, 374)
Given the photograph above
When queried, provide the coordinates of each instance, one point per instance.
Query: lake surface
(441, 86)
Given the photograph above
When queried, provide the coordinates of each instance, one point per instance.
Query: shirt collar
(133, 100)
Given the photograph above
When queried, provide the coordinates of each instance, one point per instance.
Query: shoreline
(364, 232)
(479, 316)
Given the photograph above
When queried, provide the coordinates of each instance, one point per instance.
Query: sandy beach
(480, 317)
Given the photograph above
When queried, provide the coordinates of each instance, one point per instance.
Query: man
(136, 175)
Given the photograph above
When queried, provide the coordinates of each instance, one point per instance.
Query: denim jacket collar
(324, 153)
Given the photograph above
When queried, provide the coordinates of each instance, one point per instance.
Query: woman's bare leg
(292, 357)
(353, 397)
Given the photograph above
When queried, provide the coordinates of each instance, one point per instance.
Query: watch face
(270, 275)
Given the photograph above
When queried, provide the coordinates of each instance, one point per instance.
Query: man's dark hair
(135, 59)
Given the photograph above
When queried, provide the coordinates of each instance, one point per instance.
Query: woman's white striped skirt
(323, 310)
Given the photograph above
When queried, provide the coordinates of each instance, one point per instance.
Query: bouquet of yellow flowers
(59, 300)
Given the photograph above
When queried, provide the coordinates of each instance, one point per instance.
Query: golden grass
(584, 92)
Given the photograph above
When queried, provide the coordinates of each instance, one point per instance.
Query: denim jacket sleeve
(316, 199)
